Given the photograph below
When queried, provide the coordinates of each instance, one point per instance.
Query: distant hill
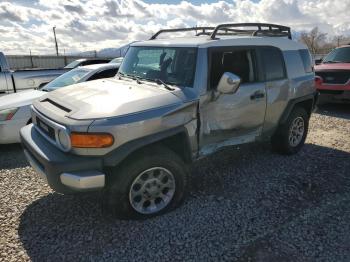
(108, 52)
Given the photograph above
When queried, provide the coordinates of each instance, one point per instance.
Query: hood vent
(48, 100)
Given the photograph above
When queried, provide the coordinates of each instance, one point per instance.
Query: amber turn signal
(91, 140)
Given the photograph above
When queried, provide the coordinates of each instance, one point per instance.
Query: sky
(83, 25)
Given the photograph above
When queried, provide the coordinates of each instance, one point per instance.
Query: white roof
(205, 42)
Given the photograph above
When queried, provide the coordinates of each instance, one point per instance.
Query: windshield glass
(117, 60)
(172, 65)
(68, 78)
(339, 55)
(73, 64)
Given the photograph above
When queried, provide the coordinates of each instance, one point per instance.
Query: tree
(313, 39)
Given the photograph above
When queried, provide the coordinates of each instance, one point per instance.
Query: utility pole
(31, 58)
(54, 33)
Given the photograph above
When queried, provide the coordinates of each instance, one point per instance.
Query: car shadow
(245, 183)
(12, 156)
(334, 110)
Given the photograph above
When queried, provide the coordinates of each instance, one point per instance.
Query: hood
(107, 98)
(332, 66)
(19, 99)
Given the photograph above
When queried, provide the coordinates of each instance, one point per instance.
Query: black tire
(116, 196)
(280, 140)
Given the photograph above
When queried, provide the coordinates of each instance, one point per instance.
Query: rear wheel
(149, 183)
(290, 136)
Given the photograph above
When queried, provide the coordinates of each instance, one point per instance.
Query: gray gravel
(245, 204)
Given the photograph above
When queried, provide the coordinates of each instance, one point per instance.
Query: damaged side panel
(231, 119)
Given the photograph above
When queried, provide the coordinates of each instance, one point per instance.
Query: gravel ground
(245, 204)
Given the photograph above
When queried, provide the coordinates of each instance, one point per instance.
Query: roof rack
(262, 29)
(228, 29)
(203, 29)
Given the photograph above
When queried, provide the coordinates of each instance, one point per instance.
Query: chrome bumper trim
(83, 180)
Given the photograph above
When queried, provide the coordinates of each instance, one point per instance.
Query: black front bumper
(50, 162)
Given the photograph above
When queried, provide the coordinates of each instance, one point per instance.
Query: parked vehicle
(87, 61)
(174, 101)
(13, 81)
(117, 60)
(15, 108)
(333, 75)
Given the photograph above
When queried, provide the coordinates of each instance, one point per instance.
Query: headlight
(7, 114)
(64, 139)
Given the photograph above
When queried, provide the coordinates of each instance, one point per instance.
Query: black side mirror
(318, 61)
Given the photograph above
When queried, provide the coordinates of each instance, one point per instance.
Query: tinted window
(95, 61)
(238, 62)
(104, 74)
(339, 55)
(306, 58)
(273, 64)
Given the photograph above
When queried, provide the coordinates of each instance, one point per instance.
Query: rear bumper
(64, 172)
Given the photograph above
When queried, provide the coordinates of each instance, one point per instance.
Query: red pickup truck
(333, 74)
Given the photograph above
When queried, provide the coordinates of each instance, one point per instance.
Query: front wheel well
(307, 105)
(178, 142)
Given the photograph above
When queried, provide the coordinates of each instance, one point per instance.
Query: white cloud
(96, 24)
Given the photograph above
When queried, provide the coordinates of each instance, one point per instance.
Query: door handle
(257, 95)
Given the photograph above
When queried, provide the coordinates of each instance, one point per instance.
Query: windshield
(73, 64)
(172, 65)
(339, 55)
(117, 60)
(68, 78)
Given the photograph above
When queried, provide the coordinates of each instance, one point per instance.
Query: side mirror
(228, 83)
(318, 61)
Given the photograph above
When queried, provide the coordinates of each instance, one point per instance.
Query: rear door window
(306, 58)
(273, 63)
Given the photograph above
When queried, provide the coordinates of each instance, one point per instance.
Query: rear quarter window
(306, 58)
(273, 63)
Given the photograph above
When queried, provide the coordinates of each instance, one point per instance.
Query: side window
(306, 58)
(273, 63)
(104, 74)
(240, 62)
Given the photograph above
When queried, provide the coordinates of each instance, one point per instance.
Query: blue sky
(83, 25)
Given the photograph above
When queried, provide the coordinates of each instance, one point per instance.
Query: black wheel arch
(307, 102)
(176, 139)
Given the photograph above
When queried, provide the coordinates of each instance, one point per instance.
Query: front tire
(148, 183)
(290, 136)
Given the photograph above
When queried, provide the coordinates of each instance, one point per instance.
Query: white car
(15, 108)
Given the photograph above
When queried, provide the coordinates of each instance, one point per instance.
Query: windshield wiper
(161, 82)
(130, 76)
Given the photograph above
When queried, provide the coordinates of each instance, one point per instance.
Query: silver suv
(174, 100)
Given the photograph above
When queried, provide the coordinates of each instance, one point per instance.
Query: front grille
(46, 129)
(334, 77)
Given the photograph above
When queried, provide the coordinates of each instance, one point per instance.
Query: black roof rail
(262, 29)
(203, 29)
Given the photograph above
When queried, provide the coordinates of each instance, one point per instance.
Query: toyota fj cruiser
(173, 101)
